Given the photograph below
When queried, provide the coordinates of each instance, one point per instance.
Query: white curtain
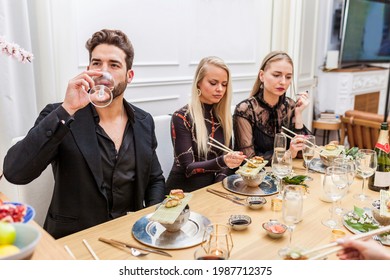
(17, 87)
(23, 92)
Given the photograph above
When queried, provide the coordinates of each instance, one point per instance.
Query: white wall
(169, 37)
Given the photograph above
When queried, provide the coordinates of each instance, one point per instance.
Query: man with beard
(103, 159)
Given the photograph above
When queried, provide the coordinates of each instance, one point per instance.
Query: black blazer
(78, 200)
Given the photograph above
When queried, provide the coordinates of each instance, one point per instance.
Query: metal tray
(234, 183)
(154, 235)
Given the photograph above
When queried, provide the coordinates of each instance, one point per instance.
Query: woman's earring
(261, 85)
(199, 92)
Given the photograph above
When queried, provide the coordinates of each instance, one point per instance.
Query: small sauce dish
(256, 202)
(274, 229)
(239, 222)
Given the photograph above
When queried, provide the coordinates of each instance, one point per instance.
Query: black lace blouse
(255, 124)
(190, 172)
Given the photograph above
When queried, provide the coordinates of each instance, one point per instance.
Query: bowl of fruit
(16, 212)
(17, 240)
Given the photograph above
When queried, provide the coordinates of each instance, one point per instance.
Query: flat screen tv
(365, 36)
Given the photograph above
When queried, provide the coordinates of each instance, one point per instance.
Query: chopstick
(293, 133)
(225, 197)
(90, 250)
(222, 147)
(338, 247)
(67, 249)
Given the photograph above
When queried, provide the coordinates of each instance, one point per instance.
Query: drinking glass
(101, 94)
(280, 143)
(335, 186)
(366, 163)
(217, 243)
(350, 165)
(292, 212)
(281, 168)
(308, 152)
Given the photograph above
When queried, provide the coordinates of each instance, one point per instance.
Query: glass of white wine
(308, 152)
(280, 143)
(281, 168)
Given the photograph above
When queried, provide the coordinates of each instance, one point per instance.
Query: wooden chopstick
(224, 148)
(337, 245)
(293, 133)
(218, 147)
(67, 249)
(90, 250)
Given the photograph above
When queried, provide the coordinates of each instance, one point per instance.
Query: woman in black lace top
(196, 163)
(257, 119)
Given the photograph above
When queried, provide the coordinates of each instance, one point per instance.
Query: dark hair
(112, 37)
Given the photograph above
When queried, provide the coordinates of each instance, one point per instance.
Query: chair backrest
(361, 128)
(37, 193)
(164, 143)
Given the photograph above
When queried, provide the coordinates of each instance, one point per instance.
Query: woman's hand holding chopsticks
(232, 159)
(362, 250)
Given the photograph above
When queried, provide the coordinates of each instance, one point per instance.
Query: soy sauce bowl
(239, 222)
(255, 202)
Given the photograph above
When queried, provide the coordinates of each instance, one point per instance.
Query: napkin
(169, 215)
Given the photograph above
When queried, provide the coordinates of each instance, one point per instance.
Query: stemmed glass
(350, 165)
(101, 94)
(335, 186)
(280, 143)
(366, 163)
(308, 152)
(281, 168)
(292, 209)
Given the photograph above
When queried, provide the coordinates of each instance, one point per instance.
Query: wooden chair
(361, 128)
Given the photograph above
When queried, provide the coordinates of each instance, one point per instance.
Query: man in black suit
(103, 159)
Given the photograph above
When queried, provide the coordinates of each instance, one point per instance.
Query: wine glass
(366, 163)
(350, 165)
(100, 95)
(335, 186)
(292, 211)
(280, 143)
(308, 152)
(281, 168)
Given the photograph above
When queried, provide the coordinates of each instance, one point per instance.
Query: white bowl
(239, 222)
(254, 180)
(256, 202)
(27, 238)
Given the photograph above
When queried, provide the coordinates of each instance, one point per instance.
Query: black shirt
(118, 167)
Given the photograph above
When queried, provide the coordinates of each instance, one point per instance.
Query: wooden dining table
(252, 243)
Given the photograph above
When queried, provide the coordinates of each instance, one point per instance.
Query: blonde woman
(207, 114)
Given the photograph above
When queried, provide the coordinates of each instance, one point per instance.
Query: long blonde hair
(268, 59)
(222, 108)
